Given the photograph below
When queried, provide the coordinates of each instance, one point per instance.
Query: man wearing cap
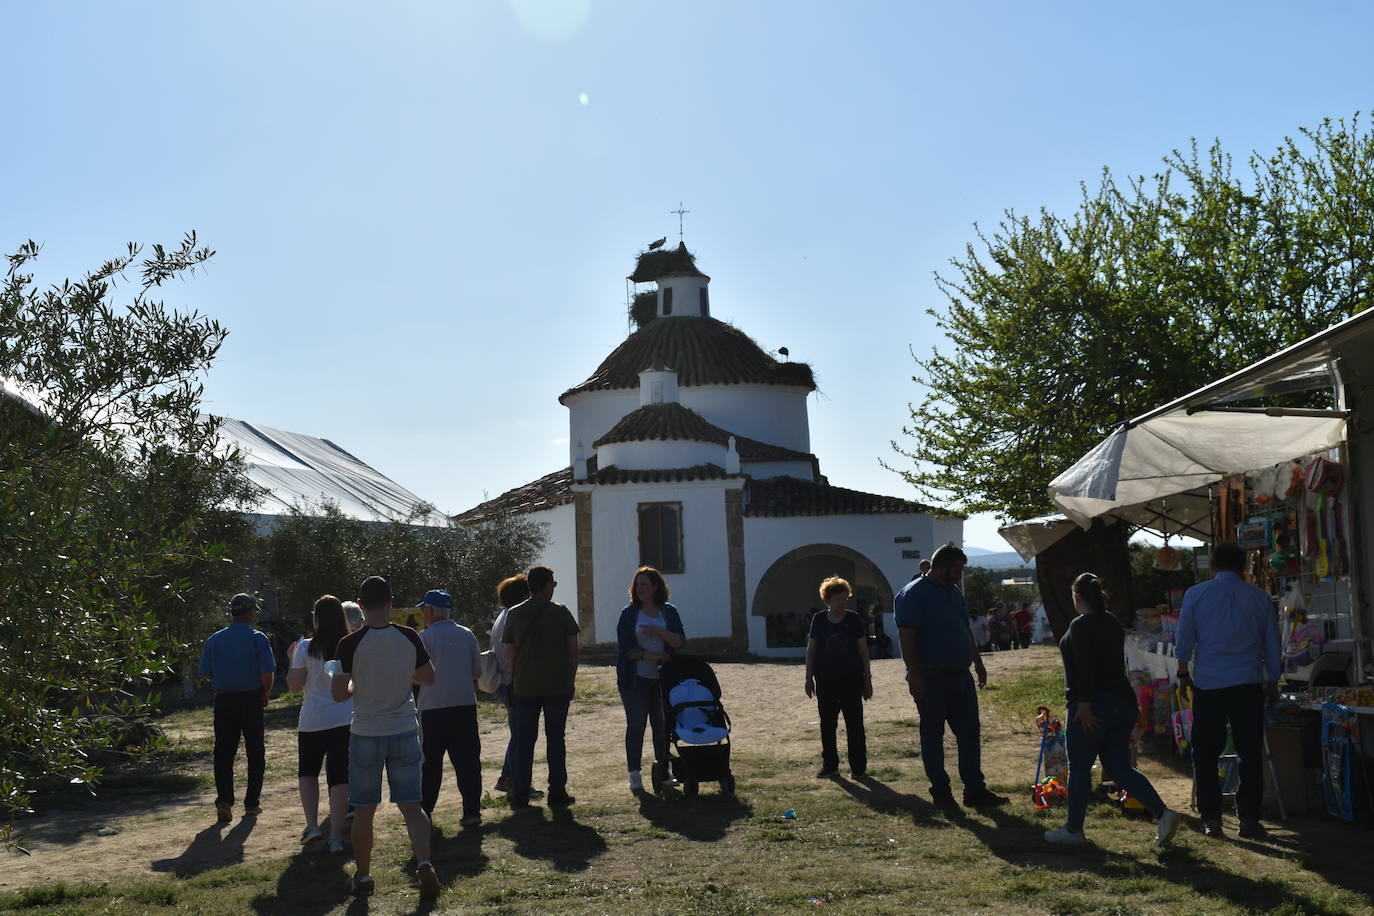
(448, 708)
(376, 667)
(239, 661)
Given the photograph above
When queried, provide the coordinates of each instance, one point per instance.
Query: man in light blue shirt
(239, 661)
(1228, 632)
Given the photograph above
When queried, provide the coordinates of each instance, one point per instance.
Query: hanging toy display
(1052, 768)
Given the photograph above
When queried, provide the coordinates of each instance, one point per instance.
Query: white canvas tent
(291, 468)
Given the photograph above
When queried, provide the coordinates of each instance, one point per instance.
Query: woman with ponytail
(1102, 712)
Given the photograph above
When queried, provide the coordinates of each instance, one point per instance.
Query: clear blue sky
(424, 212)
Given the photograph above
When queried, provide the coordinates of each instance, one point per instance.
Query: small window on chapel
(660, 536)
(668, 300)
(705, 302)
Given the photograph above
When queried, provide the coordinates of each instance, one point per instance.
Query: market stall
(1278, 458)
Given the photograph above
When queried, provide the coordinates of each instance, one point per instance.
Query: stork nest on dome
(644, 307)
(661, 262)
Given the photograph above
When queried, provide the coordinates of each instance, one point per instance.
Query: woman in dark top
(837, 675)
(1102, 713)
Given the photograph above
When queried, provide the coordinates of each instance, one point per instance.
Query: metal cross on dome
(679, 211)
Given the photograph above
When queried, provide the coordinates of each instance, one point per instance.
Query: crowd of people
(379, 696)
(1002, 629)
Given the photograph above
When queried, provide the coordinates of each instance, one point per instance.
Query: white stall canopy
(1032, 536)
(1154, 471)
(1140, 467)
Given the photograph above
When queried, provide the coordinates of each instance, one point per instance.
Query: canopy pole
(1339, 414)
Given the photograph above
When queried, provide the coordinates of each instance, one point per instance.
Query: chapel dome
(703, 351)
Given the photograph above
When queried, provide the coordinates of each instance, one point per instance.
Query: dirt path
(163, 821)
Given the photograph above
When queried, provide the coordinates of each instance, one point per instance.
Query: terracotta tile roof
(703, 351)
(545, 493)
(614, 475)
(675, 423)
(782, 497)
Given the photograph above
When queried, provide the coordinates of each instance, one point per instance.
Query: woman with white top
(509, 593)
(322, 732)
(649, 632)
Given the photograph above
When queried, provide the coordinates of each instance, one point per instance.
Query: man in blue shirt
(1228, 629)
(937, 647)
(239, 661)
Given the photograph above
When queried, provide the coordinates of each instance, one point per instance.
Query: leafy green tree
(1151, 586)
(983, 588)
(114, 506)
(318, 550)
(1061, 327)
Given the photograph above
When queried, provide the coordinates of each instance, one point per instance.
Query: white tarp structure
(293, 469)
(1134, 472)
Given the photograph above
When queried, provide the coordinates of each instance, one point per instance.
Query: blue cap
(437, 597)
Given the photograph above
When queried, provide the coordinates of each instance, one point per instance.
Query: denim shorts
(400, 754)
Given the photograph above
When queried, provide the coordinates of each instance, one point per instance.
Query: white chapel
(690, 451)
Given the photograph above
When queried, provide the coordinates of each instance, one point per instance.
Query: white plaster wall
(767, 539)
(560, 551)
(686, 295)
(701, 592)
(762, 470)
(659, 454)
(591, 414)
(770, 413)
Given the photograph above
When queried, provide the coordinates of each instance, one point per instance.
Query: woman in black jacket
(1102, 713)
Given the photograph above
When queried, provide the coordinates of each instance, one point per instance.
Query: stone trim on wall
(586, 592)
(734, 541)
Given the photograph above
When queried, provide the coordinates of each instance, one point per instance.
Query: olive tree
(117, 511)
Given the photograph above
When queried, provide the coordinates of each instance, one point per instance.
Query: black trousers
(451, 731)
(239, 715)
(833, 697)
(1243, 707)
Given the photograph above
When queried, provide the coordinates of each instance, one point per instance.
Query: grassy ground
(871, 847)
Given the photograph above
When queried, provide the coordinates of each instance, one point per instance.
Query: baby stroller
(698, 726)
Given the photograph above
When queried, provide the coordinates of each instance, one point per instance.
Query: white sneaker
(1167, 825)
(1063, 836)
(636, 780)
(311, 835)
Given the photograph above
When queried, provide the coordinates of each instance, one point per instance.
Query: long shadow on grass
(880, 797)
(1017, 839)
(211, 848)
(554, 836)
(703, 818)
(314, 882)
(459, 855)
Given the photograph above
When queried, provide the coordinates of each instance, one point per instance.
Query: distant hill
(1007, 559)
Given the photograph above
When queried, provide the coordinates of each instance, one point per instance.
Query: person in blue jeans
(1101, 714)
(541, 640)
(649, 632)
(937, 648)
